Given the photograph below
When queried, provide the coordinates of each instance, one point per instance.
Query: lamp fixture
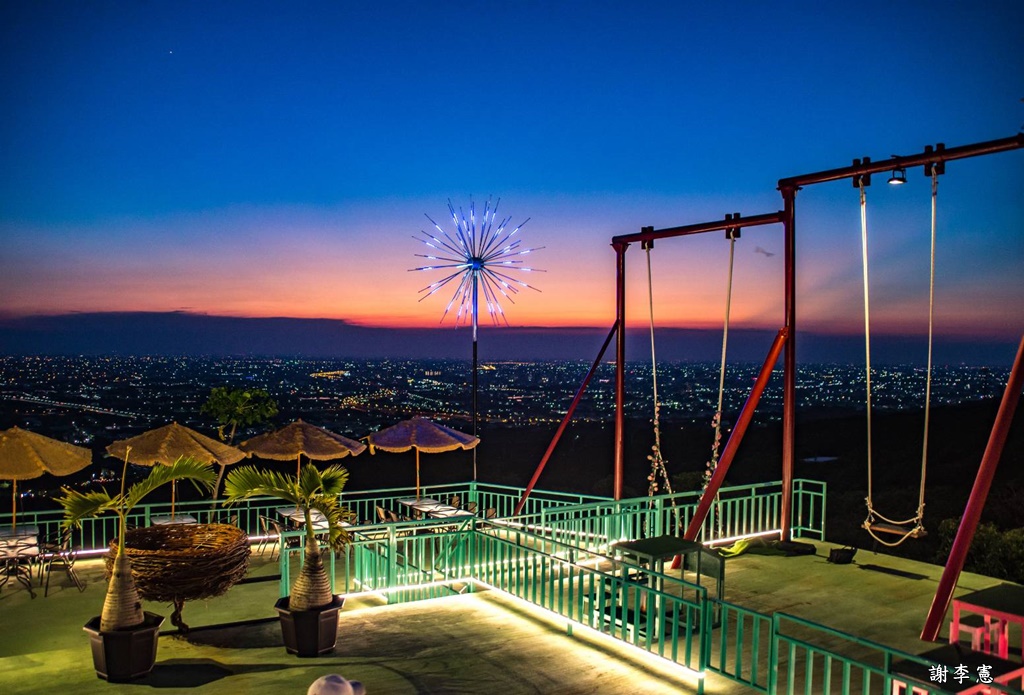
(899, 174)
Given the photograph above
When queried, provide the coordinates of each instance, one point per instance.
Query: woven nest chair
(174, 563)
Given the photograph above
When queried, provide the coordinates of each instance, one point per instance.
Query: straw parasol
(302, 439)
(420, 434)
(164, 445)
(25, 455)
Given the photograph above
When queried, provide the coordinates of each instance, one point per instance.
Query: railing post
(392, 568)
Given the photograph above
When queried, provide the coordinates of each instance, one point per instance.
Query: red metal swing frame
(860, 171)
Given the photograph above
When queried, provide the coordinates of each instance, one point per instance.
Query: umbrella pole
(417, 473)
(14, 505)
(174, 489)
(298, 466)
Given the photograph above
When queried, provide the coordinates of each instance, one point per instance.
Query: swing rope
(916, 527)
(716, 422)
(656, 459)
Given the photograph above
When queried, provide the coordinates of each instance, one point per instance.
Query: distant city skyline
(251, 160)
(193, 334)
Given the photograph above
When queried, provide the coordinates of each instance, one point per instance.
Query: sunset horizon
(158, 159)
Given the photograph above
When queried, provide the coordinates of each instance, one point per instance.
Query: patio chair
(270, 532)
(983, 634)
(471, 507)
(59, 553)
(382, 515)
(490, 513)
(454, 501)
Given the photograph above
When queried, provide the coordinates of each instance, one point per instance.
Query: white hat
(334, 684)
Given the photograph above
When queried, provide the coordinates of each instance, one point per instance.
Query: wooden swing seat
(895, 529)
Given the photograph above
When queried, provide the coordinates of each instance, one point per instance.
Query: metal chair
(61, 553)
(270, 533)
(983, 633)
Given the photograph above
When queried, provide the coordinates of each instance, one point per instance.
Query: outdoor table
(297, 519)
(960, 672)
(20, 532)
(176, 519)
(434, 508)
(652, 553)
(1004, 601)
(17, 546)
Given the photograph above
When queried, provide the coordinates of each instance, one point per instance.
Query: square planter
(123, 655)
(309, 633)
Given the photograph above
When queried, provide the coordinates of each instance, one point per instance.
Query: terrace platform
(536, 603)
(471, 643)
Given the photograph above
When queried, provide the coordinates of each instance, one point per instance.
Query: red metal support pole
(620, 366)
(731, 446)
(789, 369)
(976, 502)
(565, 421)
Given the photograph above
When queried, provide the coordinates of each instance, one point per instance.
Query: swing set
(933, 161)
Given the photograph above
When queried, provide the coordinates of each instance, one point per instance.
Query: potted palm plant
(123, 636)
(309, 614)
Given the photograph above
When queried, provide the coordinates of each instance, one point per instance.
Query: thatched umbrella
(420, 434)
(164, 445)
(25, 455)
(302, 439)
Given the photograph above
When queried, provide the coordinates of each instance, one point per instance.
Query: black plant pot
(123, 655)
(309, 633)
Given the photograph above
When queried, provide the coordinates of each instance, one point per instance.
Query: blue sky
(272, 159)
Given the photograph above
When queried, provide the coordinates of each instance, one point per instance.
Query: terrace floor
(480, 642)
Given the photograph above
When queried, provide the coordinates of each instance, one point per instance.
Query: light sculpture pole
(483, 259)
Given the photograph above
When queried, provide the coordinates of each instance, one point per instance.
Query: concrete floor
(461, 644)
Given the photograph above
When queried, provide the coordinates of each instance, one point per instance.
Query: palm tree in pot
(309, 614)
(117, 632)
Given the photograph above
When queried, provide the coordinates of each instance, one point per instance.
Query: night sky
(258, 159)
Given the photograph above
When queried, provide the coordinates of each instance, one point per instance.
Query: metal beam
(938, 155)
(731, 446)
(730, 222)
(976, 502)
(565, 421)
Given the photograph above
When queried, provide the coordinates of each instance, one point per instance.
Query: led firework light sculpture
(478, 257)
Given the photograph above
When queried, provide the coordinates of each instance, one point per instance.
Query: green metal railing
(96, 534)
(654, 615)
(808, 509)
(814, 659)
(737, 512)
(741, 645)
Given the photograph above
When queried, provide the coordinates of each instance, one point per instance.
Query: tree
(313, 489)
(234, 408)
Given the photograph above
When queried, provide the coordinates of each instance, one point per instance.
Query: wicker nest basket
(184, 562)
